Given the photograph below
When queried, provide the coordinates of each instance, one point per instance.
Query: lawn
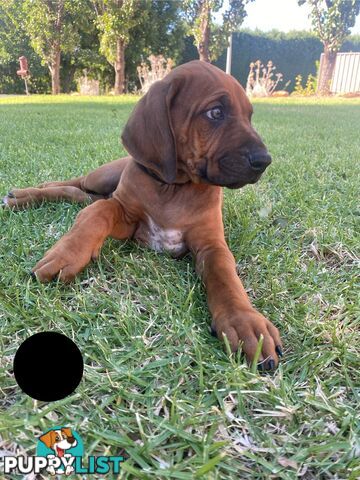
(156, 384)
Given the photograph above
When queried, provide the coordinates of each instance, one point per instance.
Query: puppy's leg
(20, 198)
(98, 184)
(74, 250)
(23, 198)
(232, 312)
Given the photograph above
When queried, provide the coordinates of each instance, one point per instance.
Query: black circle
(48, 366)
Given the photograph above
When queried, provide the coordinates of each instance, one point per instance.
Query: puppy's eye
(216, 113)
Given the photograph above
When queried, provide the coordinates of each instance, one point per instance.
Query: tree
(86, 58)
(164, 30)
(115, 20)
(210, 37)
(163, 33)
(52, 26)
(14, 42)
(158, 28)
(331, 20)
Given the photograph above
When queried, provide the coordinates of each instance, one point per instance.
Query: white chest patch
(161, 239)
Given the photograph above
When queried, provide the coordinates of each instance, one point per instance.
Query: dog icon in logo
(59, 441)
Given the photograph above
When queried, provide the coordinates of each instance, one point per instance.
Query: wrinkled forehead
(203, 84)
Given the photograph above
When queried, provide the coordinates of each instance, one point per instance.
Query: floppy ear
(46, 438)
(148, 135)
(67, 431)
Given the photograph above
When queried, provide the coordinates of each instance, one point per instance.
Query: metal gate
(346, 77)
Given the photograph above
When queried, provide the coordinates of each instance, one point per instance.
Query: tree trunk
(55, 73)
(119, 66)
(56, 49)
(67, 77)
(326, 72)
(203, 46)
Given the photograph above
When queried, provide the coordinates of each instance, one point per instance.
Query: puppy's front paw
(65, 259)
(245, 328)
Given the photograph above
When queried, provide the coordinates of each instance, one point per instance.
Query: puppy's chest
(160, 239)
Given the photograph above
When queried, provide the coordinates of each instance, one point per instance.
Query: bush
(148, 74)
(261, 81)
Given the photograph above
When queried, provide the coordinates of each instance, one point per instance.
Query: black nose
(259, 160)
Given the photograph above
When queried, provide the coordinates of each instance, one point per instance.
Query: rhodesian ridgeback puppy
(188, 137)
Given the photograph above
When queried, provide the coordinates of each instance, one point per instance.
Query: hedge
(292, 53)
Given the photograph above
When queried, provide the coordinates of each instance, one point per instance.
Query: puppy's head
(59, 440)
(196, 125)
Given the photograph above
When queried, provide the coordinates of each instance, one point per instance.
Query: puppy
(188, 137)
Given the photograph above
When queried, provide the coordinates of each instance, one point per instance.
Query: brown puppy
(188, 136)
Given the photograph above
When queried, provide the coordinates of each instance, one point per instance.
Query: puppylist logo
(60, 451)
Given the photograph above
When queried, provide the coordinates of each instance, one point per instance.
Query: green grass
(156, 384)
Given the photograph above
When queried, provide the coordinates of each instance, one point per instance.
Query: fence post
(229, 55)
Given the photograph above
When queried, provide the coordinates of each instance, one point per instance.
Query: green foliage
(115, 20)
(310, 88)
(86, 57)
(145, 26)
(332, 20)
(14, 42)
(53, 24)
(163, 33)
(149, 27)
(232, 18)
(311, 83)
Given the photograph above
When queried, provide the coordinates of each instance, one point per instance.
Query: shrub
(311, 83)
(262, 81)
(159, 68)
